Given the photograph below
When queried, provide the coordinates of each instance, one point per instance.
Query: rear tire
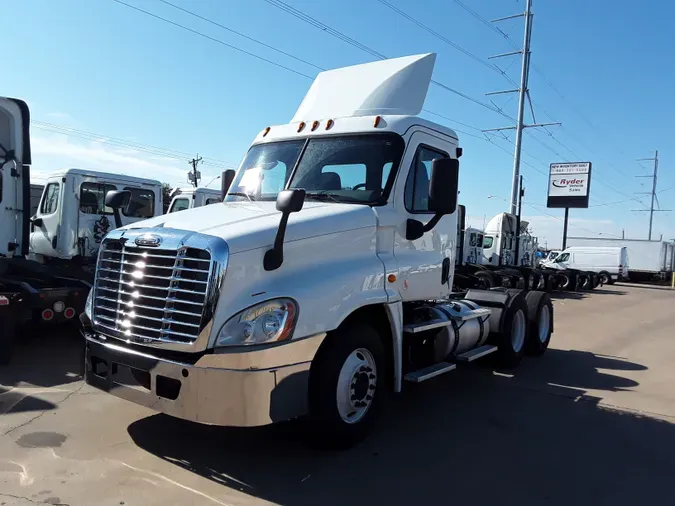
(512, 339)
(540, 322)
(487, 279)
(345, 386)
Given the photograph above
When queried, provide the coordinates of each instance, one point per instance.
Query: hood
(250, 225)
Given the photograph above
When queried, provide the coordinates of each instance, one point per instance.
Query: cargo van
(611, 263)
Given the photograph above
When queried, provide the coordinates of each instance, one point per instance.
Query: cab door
(46, 224)
(14, 179)
(424, 264)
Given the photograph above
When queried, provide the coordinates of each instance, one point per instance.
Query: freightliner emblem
(148, 240)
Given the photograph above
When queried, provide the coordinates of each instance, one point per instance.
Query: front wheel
(345, 385)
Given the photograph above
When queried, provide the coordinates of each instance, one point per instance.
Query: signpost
(569, 186)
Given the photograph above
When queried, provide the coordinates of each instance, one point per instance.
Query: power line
(213, 39)
(345, 38)
(444, 39)
(146, 148)
(194, 14)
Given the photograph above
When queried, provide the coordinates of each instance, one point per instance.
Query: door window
(141, 204)
(488, 241)
(213, 200)
(179, 205)
(50, 199)
(416, 194)
(92, 198)
(562, 258)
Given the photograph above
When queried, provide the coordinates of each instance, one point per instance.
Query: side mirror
(116, 199)
(288, 201)
(443, 188)
(226, 179)
(444, 185)
(36, 222)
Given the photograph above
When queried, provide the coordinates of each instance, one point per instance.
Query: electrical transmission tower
(655, 197)
(523, 94)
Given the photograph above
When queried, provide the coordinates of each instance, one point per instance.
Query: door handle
(445, 271)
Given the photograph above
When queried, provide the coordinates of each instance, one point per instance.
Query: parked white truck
(29, 292)
(72, 217)
(324, 279)
(187, 198)
(648, 260)
(610, 263)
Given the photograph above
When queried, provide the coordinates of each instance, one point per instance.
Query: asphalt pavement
(590, 422)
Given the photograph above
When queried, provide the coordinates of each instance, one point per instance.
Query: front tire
(345, 386)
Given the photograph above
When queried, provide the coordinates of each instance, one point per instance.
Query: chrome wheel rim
(518, 331)
(356, 385)
(544, 323)
(604, 278)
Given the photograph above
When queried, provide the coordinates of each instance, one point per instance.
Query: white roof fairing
(396, 86)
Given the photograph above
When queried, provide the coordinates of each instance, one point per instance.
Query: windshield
(354, 169)
(562, 258)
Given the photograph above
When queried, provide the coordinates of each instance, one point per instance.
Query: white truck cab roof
(108, 176)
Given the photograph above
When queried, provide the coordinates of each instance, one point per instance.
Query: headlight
(88, 305)
(266, 322)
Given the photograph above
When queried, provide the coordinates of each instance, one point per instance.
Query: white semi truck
(29, 291)
(323, 280)
(188, 198)
(72, 218)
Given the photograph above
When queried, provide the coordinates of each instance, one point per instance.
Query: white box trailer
(646, 259)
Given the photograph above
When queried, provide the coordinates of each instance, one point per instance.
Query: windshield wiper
(242, 194)
(324, 195)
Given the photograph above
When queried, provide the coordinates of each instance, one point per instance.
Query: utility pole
(521, 193)
(523, 94)
(652, 193)
(195, 176)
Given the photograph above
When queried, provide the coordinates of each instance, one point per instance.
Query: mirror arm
(433, 222)
(118, 218)
(275, 257)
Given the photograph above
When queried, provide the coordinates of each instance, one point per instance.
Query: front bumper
(238, 388)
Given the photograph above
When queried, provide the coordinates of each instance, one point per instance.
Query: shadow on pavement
(466, 438)
(45, 357)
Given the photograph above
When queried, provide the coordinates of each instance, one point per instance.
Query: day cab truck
(187, 198)
(72, 218)
(29, 292)
(323, 280)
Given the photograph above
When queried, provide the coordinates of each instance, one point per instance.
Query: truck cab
(188, 198)
(72, 218)
(324, 279)
(30, 293)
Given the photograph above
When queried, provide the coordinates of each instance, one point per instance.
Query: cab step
(414, 328)
(476, 353)
(429, 372)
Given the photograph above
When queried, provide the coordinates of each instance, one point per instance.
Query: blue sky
(98, 66)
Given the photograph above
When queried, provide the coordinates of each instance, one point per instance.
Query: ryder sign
(569, 184)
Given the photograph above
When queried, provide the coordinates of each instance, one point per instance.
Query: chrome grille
(152, 295)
